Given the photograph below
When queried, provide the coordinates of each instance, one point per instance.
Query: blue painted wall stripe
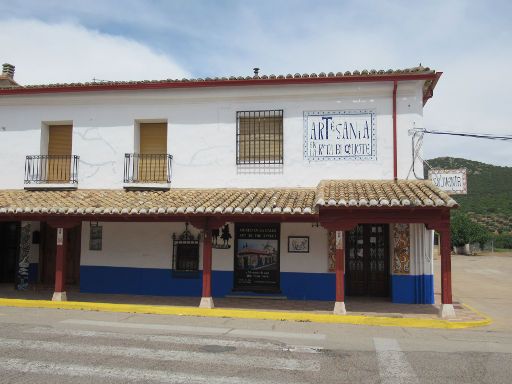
(412, 289)
(405, 289)
(161, 282)
(32, 272)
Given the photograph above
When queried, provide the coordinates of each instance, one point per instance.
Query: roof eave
(429, 92)
(155, 85)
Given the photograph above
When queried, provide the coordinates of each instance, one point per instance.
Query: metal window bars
(185, 251)
(51, 169)
(259, 137)
(147, 168)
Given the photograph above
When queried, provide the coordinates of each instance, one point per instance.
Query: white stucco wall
(316, 261)
(149, 245)
(201, 132)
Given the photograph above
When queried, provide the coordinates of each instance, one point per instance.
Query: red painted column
(60, 265)
(340, 270)
(339, 305)
(395, 149)
(446, 267)
(207, 264)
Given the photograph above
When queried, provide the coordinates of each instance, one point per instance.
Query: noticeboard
(256, 266)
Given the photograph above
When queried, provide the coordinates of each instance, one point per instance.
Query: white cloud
(473, 95)
(66, 52)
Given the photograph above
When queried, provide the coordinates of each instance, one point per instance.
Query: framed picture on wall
(298, 244)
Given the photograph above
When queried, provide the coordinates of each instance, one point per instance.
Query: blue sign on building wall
(340, 135)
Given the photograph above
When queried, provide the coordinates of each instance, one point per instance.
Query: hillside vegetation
(489, 198)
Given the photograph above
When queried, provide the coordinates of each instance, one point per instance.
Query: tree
(466, 231)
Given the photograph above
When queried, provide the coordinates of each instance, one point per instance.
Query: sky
(469, 41)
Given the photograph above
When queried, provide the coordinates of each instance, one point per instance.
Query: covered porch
(336, 205)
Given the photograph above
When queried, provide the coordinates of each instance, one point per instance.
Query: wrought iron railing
(147, 168)
(51, 169)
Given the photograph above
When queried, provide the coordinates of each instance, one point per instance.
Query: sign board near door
(256, 265)
(60, 236)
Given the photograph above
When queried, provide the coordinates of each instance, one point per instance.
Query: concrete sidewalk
(370, 311)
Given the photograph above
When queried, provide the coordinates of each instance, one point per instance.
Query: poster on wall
(340, 135)
(256, 266)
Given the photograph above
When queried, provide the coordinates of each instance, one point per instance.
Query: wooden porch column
(206, 225)
(206, 298)
(339, 305)
(60, 266)
(447, 310)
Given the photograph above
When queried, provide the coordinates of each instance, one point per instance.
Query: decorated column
(339, 305)
(60, 266)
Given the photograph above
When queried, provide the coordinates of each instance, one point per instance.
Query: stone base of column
(206, 302)
(447, 311)
(339, 308)
(59, 296)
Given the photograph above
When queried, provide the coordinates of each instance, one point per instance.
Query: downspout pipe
(395, 156)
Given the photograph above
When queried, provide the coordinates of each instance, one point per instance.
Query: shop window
(259, 137)
(185, 257)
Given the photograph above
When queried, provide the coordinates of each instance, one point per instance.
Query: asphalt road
(60, 346)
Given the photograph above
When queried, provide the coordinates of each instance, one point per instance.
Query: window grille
(185, 257)
(259, 137)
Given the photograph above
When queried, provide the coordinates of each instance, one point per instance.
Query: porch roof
(381, 193)
(225, 201)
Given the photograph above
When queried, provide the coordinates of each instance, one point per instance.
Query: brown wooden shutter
(153, 152)
(60, 138)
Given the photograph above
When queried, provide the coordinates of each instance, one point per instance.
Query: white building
(102, 178)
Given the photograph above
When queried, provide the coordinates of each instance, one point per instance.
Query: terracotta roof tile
(375, 73)
(222, 201)
(359, 193)
(107, 202)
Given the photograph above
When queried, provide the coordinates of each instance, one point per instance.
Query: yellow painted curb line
(249, 314)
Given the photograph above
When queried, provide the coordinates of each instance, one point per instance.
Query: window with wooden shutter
(259, 137)
(60, 139)
(153, 152)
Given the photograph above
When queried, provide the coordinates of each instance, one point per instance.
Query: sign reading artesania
(453, 181)
(340, 135)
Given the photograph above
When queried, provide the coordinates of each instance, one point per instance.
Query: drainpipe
(395, 161)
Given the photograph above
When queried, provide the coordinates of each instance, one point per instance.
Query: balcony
(58, 170)
(147, 169)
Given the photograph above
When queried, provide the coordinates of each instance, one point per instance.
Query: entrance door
(9, 248)
(367, 261)
(48, 246)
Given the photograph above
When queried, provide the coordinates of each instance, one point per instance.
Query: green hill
(489, 198)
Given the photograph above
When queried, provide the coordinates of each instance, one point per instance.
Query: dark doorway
(367, 261)
(9, 250)
(48, 248)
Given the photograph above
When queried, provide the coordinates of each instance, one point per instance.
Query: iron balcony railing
(51, 169)
(147, 168)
